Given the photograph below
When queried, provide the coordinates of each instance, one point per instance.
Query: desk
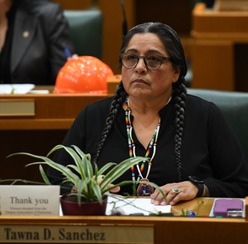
(219, 49)
(51, 111)
(38, 132)
(160, 230)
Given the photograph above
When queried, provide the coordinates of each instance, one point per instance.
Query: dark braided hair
(115, 106)
(179, 104)
(173, 46)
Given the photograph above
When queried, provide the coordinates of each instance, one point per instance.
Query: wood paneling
(219, 49)
(176, 13)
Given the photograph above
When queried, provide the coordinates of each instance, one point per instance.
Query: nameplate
(29, 200)
(76, 234)
(17, 107)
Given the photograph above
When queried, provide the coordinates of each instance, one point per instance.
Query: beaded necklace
(144, 189)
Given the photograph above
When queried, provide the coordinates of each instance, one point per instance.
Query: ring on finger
(176, 190)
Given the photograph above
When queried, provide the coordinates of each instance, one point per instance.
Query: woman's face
(141, 82)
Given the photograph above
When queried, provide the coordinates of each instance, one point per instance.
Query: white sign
(29, 200)
(134, 206)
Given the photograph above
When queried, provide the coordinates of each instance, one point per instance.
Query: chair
(86, 31)
(234, 106)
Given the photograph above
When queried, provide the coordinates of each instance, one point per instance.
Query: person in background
(34, 41)
(192, 151)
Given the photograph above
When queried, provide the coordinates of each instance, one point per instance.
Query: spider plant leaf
(86, 161)
(118, 170)
(47, 161)
(97, 192)
(83, 174)
(105, 167)
(77, 157)
(44, 176)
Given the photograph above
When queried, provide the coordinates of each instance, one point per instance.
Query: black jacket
(210, 149)
(40, 36)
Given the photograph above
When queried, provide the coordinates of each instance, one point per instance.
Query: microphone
(124, 23)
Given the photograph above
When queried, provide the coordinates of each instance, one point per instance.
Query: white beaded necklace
(143, 189)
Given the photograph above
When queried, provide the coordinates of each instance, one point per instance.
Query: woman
(34, 41)
(192, 152)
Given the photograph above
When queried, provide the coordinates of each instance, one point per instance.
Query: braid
(115, 106)
(179, 98)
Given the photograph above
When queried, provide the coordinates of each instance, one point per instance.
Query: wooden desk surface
(165, 229)
(51, 111)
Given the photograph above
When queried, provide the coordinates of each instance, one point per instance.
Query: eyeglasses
(152, 62)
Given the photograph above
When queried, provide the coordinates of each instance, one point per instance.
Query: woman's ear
(176, 74)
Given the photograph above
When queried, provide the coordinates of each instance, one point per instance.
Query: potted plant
(91, 184)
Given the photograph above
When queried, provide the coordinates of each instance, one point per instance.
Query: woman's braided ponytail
(115, 106)
(179, 104)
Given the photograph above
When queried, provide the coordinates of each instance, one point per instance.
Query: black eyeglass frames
(152, 62)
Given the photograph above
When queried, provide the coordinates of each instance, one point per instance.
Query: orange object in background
(83, 74)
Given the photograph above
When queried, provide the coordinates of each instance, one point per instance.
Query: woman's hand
(115, 189)
(175, 192)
